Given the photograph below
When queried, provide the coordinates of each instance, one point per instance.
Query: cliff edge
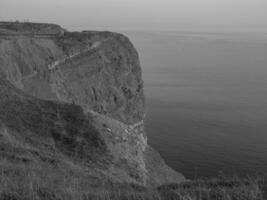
(75, 101)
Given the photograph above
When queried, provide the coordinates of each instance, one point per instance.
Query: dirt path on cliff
(65, 58)
(58, 62)
(30, 75)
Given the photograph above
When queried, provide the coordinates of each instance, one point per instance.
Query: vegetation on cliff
(70, 101)
(25, 184)
(67, 104)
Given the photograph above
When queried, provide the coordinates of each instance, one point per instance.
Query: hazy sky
(141, 14)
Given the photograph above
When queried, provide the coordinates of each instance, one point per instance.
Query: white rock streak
(137, 127)
(64, 59)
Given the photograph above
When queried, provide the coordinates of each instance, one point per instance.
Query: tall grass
(44, 182)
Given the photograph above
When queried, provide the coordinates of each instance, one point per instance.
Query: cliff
(75, 100)
(99, 70)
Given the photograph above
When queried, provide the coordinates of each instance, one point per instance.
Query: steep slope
(97, 70)
(76, 100)
(57, 132)
(63, 134)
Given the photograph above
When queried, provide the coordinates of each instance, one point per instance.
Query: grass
(37, 165)
(72, 130)
(44, 182)
(223, 188)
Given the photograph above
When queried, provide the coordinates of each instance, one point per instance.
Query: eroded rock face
(106, 77)
(96, 70)
(91, 79)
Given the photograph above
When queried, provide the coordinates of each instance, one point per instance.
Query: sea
(206, 99)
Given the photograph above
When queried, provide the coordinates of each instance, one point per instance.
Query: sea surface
(206, 99)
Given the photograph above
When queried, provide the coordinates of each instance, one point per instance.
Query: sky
(248, 15)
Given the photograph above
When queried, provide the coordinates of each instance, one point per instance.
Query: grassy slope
(65, 123)
(50, 160)
(25, 184)
(47, 141)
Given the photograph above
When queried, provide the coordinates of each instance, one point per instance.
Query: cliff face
(96, 70)
(76, 99)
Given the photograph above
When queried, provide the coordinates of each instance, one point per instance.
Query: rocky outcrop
(77, 99)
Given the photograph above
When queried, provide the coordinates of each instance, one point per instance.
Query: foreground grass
(46, 183)
(223, 188)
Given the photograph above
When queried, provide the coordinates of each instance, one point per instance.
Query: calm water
(206, 99)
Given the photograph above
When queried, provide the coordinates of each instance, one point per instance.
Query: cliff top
(30, 28)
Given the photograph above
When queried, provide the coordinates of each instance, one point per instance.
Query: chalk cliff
(75, 100)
